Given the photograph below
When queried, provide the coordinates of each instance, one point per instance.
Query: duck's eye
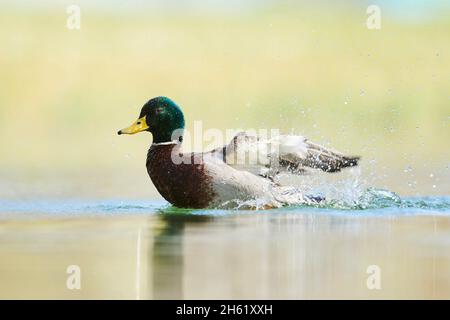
(138, 123)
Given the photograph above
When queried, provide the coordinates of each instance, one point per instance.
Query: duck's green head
(162, 117)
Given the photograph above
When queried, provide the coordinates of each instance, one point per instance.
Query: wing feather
(292, 153)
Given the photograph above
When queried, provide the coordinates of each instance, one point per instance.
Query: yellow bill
(138, 126)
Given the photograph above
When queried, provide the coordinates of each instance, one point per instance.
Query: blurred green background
(383, 94)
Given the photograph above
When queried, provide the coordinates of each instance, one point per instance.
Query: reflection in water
(294, 254)
(299, 256)
(167, 257)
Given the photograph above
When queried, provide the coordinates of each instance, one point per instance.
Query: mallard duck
(228, 174)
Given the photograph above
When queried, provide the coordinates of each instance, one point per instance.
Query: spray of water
(346, 191)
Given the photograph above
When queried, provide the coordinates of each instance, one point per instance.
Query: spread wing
(292, 153)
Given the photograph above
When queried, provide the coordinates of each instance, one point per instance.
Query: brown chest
(183, 183)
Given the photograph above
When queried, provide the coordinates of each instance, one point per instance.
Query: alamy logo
(242, 147)
(374, 279)
(74, 279)
(374, 19)
(74, 17)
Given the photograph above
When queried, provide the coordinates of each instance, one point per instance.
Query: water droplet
(412, 184)
(407, 169)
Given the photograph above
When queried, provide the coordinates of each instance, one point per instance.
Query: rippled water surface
(150, 250)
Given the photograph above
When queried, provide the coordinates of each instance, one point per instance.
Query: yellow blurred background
(315, 69)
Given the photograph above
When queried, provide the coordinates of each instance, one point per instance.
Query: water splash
(371, 199)
(346, 191)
